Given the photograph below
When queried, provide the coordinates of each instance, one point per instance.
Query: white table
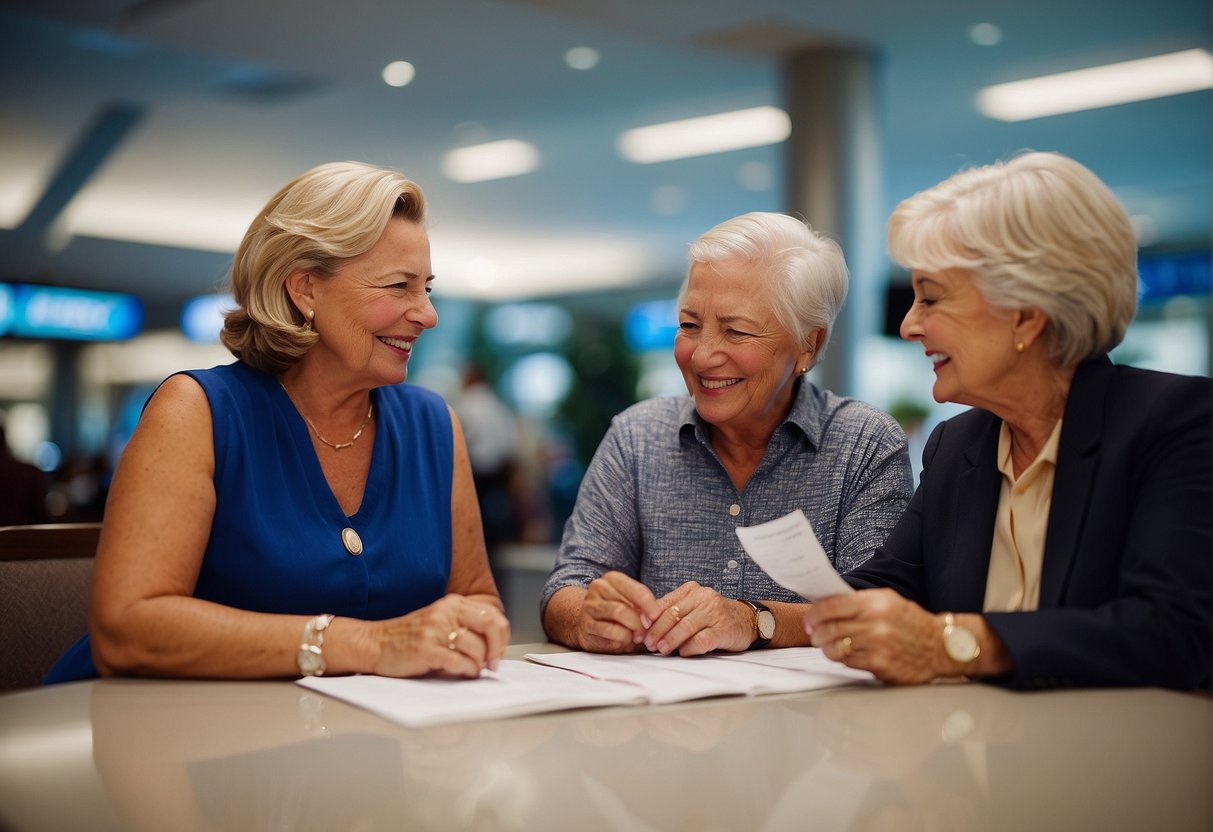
(127, 754)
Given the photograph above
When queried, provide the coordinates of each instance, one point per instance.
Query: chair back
(45, 573)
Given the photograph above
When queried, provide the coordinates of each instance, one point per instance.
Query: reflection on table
(155, 755)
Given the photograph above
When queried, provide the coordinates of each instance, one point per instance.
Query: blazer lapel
(976, 505)
(1077, 465)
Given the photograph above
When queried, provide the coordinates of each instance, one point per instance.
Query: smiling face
(970, 343)
(370, 313)
(737, 362)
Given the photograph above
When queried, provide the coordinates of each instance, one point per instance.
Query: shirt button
(732, 564)
(734, 509)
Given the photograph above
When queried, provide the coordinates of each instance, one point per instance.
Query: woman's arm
(145, 621)
(157, 523)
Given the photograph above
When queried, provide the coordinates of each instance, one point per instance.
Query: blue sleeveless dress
(276, 539)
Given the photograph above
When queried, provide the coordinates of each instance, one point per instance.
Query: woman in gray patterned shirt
(650, 559)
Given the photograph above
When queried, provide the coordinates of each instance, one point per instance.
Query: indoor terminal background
(139, 137)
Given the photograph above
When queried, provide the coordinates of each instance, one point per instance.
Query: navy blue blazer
(1127, 579)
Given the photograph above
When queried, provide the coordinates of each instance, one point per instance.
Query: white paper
(666, 679)
(514, 689)
(787, 549)
(560, 681)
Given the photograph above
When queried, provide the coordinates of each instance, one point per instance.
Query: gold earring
(1020, 347)
(311, 314)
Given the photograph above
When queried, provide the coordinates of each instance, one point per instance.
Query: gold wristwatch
(764, 624)
(959, 642)
(310, 657)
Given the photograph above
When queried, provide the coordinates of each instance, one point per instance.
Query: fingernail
(808, 628)
(644, 619)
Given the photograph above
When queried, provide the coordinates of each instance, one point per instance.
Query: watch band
(760, 639)
(310, 657)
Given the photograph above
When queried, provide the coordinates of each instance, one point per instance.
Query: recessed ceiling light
(581, 57)
(985, 34)
(399, 74)
(707, 134)
(492, 160)
(1100, 86)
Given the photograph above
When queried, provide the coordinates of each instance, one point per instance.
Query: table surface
(119, 754)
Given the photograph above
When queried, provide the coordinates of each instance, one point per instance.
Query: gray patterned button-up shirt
(657, 504)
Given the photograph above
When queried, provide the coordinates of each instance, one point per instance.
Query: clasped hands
(621, 615)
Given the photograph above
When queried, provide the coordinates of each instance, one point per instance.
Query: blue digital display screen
(1166, 275)
(651, 325)
(29, 311)
(202, 317)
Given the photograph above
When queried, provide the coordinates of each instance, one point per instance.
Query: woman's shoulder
(657, 412)
(851, 415)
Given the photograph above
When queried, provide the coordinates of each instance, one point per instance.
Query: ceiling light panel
(1101, 86)
(492, 160)
(701, 136)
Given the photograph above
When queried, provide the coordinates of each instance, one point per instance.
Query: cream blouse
(1013, 582)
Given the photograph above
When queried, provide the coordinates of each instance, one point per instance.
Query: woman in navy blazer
(1062, 532)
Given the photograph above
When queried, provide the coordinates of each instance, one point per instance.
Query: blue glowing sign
(202, 317)
(1166, 275)
(651, 325)
(53, 312)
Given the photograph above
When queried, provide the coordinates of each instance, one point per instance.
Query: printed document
(561, 681)
(787, 549)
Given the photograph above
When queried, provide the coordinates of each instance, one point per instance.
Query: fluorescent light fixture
(493, 160)
(1100, 86)
(707, 134)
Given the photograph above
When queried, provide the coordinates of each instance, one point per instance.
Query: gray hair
(1038, 231)
(315, 223)
(804, 270)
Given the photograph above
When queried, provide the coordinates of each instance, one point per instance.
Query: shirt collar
(805, 413)
(1048, 454)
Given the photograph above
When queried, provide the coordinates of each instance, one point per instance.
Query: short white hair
(805, 271)
(1038, 231)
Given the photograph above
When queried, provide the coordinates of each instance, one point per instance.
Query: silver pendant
(353, 543)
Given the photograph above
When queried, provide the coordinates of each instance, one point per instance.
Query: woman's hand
(880, 631)
(455, 635)
(698, 620)
(615, 614)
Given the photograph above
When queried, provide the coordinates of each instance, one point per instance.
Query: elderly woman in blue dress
(650, 559)
(301, 511)
(1061, 533)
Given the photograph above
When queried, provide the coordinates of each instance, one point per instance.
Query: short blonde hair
(1039, 231)
(315, 223)
(805, 271)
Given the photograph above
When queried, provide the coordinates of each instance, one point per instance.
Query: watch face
(960, 643)
(766, 624)
(310, 661)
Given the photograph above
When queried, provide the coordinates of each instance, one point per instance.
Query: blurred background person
(493, 439)
(1061, 534)
(650, 559)
(23, 488)
(302, 511)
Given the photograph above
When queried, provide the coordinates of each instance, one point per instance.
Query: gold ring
(450, 639)
(677, 612)
(845, 645)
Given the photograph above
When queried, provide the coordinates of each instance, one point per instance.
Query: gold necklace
(336, 446)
